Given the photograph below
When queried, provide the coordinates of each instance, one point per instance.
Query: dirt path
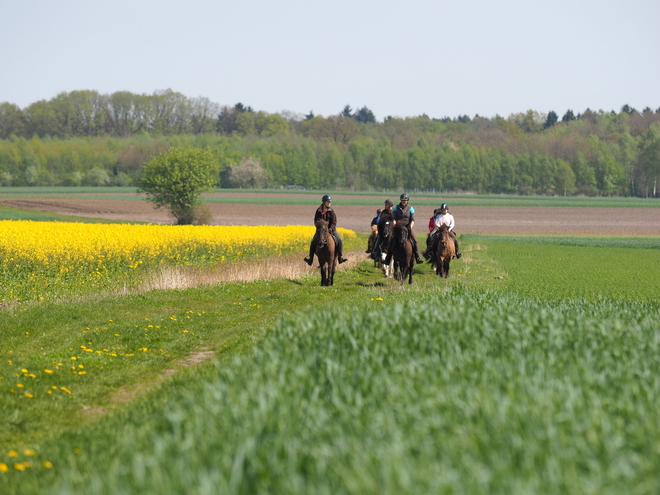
(469, 219)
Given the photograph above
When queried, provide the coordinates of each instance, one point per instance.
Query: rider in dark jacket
(405, 214)
(326, 213)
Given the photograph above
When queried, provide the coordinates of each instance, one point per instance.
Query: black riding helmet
(326, 197)
(444, 206)
(404, 197)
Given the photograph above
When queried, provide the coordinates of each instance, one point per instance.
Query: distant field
(302, 197)
(491, 214)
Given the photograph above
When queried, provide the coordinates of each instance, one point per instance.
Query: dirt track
(469, 219)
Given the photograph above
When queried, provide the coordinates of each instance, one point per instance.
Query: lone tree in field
(175, 179)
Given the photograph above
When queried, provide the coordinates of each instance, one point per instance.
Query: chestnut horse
(445, 249)
(402, 252)
(326, 253)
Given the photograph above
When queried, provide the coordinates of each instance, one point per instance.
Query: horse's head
(400, 233)
(322, 231)
(443, 233)
(386, 229)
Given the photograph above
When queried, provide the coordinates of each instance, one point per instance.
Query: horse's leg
(324, 276)
(447, 267)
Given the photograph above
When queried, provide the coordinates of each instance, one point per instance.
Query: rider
(326, 213)
(385, 215)
(443, 217)
(405, 214)
(374, 232)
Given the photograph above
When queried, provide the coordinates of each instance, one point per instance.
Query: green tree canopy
(175, 179)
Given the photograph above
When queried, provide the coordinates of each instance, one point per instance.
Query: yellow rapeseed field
(36, 256)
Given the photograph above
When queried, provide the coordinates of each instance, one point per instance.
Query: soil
(469, 219)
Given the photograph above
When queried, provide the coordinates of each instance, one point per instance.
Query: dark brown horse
(385, 233)
(445, 249)
(402, 252)
(326, 253)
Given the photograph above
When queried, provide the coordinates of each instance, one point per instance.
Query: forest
(85, 138)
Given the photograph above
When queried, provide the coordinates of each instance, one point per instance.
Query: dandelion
(47, 464)
(29, 395)
(3, 467)
(64, 389)
(12, 453)
(24, 370)
(50, 372)
(29, 452)
(19, 466)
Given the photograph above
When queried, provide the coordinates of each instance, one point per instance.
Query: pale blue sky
(399, 58)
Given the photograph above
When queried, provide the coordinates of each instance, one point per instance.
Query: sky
(398, 58)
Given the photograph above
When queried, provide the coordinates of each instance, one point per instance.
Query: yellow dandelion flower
(64, 389)
(48, 371)
(47, 464)
(19, 466)
(74, 358)
(3, 467)
(20, 385)
(24, 370)
(12, 453)
(29, 452)
(29, 395)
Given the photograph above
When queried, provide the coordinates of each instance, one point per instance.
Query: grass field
(532, 369)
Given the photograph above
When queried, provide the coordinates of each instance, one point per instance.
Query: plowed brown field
(469, 219)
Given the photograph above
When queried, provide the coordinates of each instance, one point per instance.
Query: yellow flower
(3, 467)
(47, 464)
(19, 466)
(48, 371)
(29, 452)
(24, 370)
(29, 395)
(13, 453)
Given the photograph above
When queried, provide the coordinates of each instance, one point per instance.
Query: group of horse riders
(403, 214)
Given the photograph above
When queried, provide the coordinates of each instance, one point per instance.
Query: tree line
(86, 138)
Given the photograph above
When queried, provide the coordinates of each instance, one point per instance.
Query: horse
(445, 249)
(380, 251)
(326, 253)
(402, 253)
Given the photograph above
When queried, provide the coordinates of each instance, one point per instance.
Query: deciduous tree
(176, 179)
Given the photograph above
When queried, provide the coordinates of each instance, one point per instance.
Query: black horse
(402, 253)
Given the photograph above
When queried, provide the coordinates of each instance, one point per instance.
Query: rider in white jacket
(443, 217)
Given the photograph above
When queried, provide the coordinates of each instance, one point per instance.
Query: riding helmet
(389, 202)
(444, 206)
(326, 197)
(404, 197)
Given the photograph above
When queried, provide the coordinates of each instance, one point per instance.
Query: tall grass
(459, 392)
